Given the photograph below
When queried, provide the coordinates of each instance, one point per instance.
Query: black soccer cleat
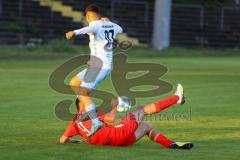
(181, 145)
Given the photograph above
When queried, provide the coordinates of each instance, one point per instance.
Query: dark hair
(92, 8)
(77, 103)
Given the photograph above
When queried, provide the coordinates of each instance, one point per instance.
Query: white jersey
(102, 35)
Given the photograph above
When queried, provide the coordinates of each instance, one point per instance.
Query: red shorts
(122, 134)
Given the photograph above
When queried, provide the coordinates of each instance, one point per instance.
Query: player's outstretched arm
(85, 30)
(63, 139)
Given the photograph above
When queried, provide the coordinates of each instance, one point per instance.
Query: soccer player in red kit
(130, 129)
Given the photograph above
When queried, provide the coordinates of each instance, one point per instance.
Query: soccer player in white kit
(102, 34)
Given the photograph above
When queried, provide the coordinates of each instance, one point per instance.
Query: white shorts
(92, 76)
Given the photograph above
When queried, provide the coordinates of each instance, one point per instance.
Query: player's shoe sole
(182, 145)
(183, 100)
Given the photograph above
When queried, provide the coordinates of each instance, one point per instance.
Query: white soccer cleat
(180, 94)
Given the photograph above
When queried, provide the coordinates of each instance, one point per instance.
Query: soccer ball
(124, 104)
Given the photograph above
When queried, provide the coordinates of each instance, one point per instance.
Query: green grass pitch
(29, 128)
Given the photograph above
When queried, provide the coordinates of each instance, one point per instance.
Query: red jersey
(119, 135)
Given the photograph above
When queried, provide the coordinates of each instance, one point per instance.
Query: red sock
(161, 139)
(163, 104)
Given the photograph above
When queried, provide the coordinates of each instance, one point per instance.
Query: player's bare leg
(75, 84)
(86, 103)
(145, 128)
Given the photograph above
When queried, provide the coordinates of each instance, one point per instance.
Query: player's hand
(69, 35)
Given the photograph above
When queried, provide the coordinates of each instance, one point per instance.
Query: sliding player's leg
(145, 128)
(157, 107)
